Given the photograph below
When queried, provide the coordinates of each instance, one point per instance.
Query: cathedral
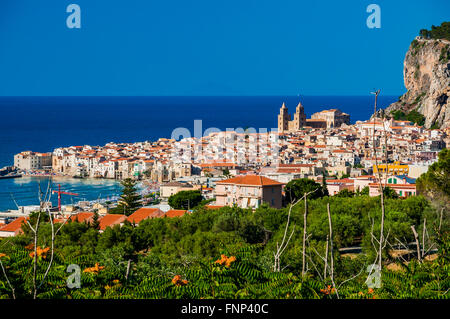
(321, 120)
(286, 124)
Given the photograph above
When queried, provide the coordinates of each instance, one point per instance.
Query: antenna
(376, 93)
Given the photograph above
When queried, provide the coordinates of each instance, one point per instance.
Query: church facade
(324, 119)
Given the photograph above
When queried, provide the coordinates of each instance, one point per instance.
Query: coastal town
(248, 168)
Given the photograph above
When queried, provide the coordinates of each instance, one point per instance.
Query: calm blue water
(43, 123)
(25, 190)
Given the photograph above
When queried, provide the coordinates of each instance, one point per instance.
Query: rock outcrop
(427, 78)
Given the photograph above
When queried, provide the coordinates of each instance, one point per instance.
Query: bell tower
(299, 117)
(283, 119)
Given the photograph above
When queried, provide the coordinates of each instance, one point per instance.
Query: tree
(365, 191)
(435, 183)
(130, 200)
(324, 186)
(345, 193)
(185, 199)
(95, 221)
(389, 193)
(296, 188)
(226, 172)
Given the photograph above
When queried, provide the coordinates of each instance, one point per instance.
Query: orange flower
(230, 260)
(177, 281)
(370, 291)
(94, 269)
(225, 260)
(40, 252)
(222, 260)
(30, 246)
(328, 290)
(2, 255)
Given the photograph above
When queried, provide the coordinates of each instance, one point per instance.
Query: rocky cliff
(427, 78)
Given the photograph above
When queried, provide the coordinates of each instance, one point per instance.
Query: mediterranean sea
(42, 124)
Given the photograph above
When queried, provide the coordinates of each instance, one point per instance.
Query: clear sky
(208, 47)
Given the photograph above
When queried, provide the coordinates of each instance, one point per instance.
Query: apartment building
(31, 160)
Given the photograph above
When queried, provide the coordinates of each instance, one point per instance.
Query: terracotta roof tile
(111, 220)
(254, 180)
(144, 213)
(13, 226)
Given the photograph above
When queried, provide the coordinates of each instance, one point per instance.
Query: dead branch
(416, 237)
(7, 280)
(330, 225)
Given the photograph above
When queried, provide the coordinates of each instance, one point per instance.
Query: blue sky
(208, 47)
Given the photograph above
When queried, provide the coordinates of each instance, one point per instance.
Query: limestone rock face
(427, 78)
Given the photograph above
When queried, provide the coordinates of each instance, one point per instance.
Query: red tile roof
(343, 180)
(13, 226)
(111, 220)
(253, 180)
(144, 213)
(82, 217)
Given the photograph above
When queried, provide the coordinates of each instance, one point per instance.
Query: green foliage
(192, 247)
(413, 116)
(365, 191)
(389, 192)
(185, 199)
(444, 57)
(296, 188)
(345, 193)
(436, 179)
(439, 32)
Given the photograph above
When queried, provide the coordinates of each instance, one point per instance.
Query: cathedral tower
(283, 119)
(299, 117)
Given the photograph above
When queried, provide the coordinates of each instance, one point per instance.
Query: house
(401, 179)
(13, 228)
(394, 168)
(334, 186)
(361, 182)
(31, 160)
(83, 217)
(171, 188)
(403, 190)
(110, 220)
(144, 213)
(249, 191)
